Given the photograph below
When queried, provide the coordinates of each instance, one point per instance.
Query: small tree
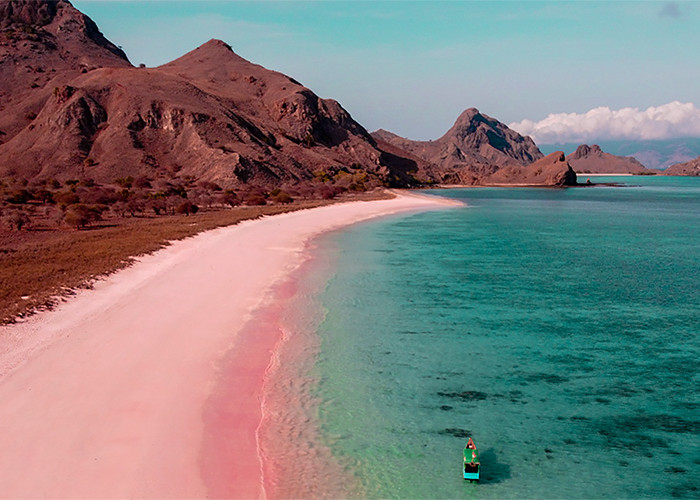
(119, 208)
(328, 192)
(66, 198)
(281, 197)
(135, 204)
(157, 204)
(187, 208)
(80, 215)
(255, 199)
(44, 196)
(229, 198)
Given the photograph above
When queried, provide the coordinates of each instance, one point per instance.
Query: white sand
(103, 397)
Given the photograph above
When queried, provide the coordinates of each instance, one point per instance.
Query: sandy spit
(104, 397)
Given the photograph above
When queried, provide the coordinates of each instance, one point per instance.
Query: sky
(559, 71)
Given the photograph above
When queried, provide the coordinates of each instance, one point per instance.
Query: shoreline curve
(105, 395)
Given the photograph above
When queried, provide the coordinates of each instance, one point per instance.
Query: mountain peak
(211, 56)
(59, 19)
(467, 116)
(585, 150)
(217, 42)
(215, 46)
(471, 120)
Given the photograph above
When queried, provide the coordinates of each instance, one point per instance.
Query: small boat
(471, 461)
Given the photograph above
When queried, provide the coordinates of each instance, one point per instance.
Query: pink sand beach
(149, 385)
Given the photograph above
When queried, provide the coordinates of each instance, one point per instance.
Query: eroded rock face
(43, 46)
(27, 12)
(552, 170)
(474, 148)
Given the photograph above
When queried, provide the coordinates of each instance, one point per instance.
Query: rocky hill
(592, 160)
(74, 107)
(653, 154)
(552, 170)
(691, 168)
(44, 45)
(480, 150)
(475, 147)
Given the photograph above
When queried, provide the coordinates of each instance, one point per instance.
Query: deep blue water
(558, 328)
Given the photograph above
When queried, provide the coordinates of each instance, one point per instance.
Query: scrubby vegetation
(83, 203)
(58, 235)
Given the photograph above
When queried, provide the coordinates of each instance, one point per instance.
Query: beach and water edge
(161, 381)
(346, 352)
(558, 328)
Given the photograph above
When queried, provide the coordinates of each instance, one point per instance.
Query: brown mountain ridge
(593, 160)
(480, 150)
(73, 107)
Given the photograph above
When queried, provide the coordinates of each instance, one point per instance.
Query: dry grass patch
(37, 267)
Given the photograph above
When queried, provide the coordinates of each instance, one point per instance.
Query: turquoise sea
(557, 327)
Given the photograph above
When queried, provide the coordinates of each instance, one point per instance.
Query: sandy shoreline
(149, 385)
(606, 175)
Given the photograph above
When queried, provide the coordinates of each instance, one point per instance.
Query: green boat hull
(471, 465)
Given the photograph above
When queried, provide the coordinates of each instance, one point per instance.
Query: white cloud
(672, 120)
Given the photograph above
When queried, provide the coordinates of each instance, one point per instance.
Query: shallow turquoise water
(559, 328)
